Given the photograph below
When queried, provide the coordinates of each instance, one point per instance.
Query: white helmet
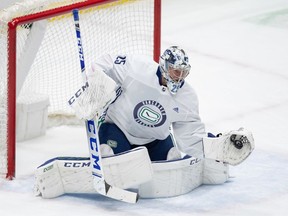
(175, 67)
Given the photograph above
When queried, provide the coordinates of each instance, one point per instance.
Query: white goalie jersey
(145, 110)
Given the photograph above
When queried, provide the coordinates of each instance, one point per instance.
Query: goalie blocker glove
(95, 96)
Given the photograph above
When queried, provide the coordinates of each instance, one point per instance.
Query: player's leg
(113, 137)
(160, 149)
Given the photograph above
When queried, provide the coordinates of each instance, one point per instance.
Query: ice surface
(239, 55)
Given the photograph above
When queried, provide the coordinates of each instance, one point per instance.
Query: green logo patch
(112, 143)
(149, 115)
(48, 168)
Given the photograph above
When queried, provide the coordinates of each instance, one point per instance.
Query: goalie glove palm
(232, 147)
(100, 92)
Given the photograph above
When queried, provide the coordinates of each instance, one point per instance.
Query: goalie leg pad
(128, 169)
(215, 172)
(48, 180)
(73, 175)
(173, 178)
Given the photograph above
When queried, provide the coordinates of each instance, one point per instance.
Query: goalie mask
(175, 67)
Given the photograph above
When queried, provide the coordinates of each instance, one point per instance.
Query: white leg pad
(73, 175)
(173, 178)
(48, 181)
(128, 169)
(215, 172)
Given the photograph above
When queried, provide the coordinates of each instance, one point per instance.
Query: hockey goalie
(152, 138)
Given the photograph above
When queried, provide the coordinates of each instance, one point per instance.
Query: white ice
(239, 55)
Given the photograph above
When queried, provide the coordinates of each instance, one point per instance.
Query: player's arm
(189, 137)
(189, 132)
(231, 147)
(114, 66)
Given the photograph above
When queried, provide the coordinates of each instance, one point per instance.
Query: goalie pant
(132, 169)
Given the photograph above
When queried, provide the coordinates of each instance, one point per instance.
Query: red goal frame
(12, 26)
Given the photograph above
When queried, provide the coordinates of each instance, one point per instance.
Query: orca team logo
(149, 113)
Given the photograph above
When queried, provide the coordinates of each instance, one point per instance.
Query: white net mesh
(3, 99)
(51, 60)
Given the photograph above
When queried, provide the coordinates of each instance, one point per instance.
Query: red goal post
(123, 26)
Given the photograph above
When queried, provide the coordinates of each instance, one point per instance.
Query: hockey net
(39, 53)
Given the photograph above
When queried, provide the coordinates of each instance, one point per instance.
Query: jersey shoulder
(141, 62)
(141, 67)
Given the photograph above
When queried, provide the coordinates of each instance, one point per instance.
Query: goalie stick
(100, 185)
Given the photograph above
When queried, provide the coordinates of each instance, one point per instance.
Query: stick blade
(122, 195)
(102, 187)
